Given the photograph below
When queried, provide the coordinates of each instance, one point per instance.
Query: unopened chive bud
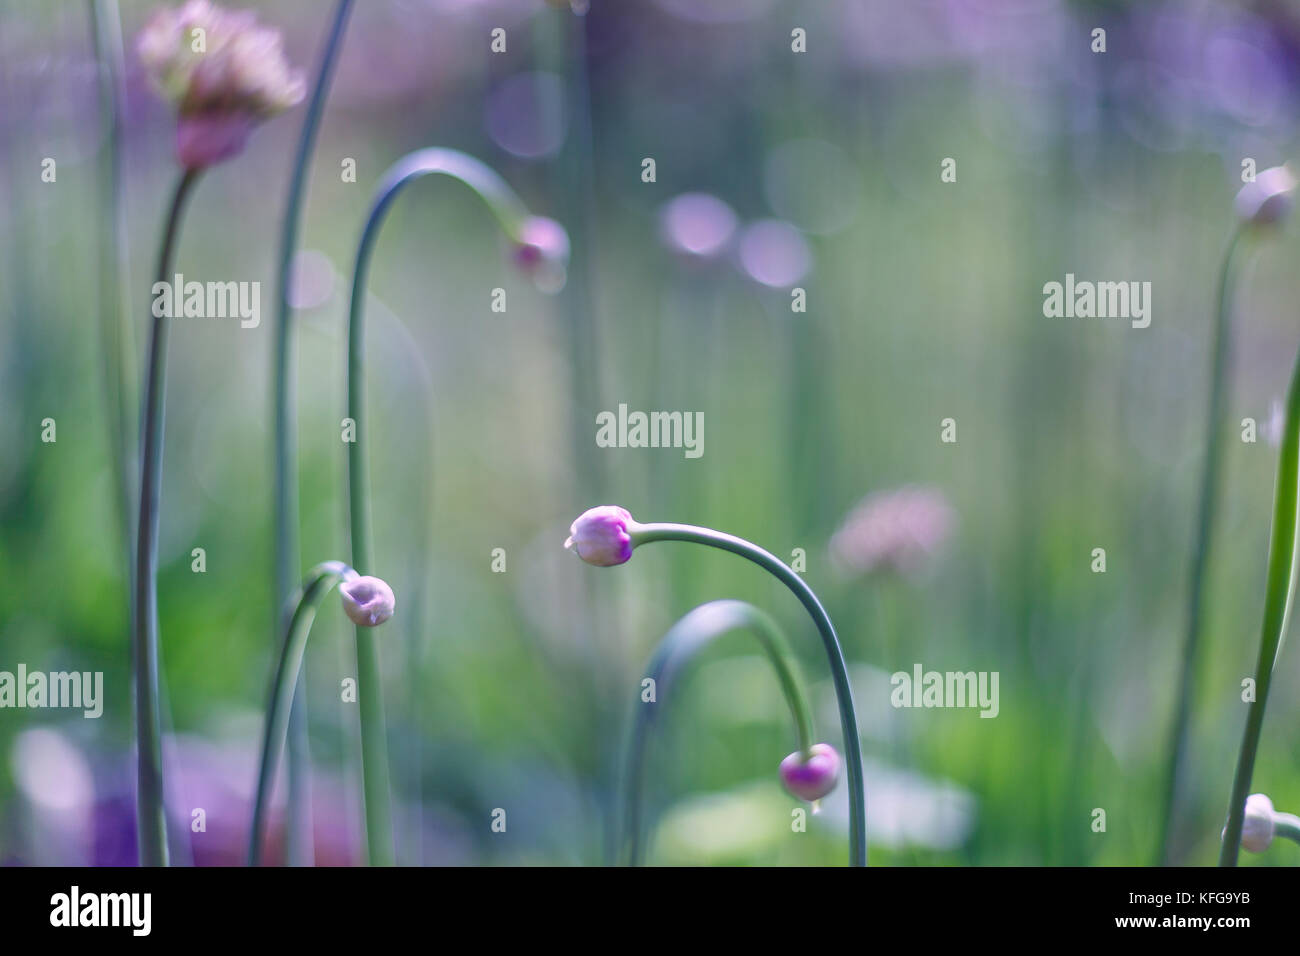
(1257, 827)
(368, 601)
(541, 250)
(602, 536)
(812, 775)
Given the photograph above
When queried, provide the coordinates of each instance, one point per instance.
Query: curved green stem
(1278, 598)
(299, 849)
(1209, 493)
(646, 533)
(510, 213)
(687, 638)
(1287, 825)
(300, 613)
(151, 819)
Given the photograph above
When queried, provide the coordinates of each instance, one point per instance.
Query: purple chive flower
(813, 778)
(1268, 200)
(542, 251)
(697, 225)
(602, 536)
(897, 530)
(368, 601)
(223, 71)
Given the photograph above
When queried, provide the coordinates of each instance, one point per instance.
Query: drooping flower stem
(510, 213)
(300, 612)
(117, 343)
(1287, 825)
(1211, 470)
(1278, 598)
(687, 638)
(299, 850)
(151, 819)
(647, 533)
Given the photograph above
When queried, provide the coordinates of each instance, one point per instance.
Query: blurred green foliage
(514, 690)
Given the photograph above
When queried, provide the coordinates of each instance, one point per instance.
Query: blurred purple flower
(774, 253)
(697, 225)
(525, 115)
(897, 530)
(223, 72)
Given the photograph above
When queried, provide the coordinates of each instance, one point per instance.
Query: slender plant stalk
(646, 533)
(510, 214)
(414, 598)
(1211, 479)
(1278, 598)
(560, 38)
(574, 174)
(687, 638)
(1287, 825)
(300, 613)
(151, 816)
(299, 845)
(117, 343)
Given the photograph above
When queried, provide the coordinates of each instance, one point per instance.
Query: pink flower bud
(813, 778)
(602, 536)
(368, 601)
(542, 251)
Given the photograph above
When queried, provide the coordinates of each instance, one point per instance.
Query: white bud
(368, 601)
(1267, 201)
(1257, 827)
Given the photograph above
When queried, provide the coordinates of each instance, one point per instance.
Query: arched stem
(686, 639)
(646, 533)
(510, 213)
(1287, 825)
(299, 612)
(151, 816)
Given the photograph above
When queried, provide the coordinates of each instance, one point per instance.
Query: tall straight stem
(1278, 598)
(1210, 481)
(299, 843)
(116, 340)
(645, 533)
(151, 817)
